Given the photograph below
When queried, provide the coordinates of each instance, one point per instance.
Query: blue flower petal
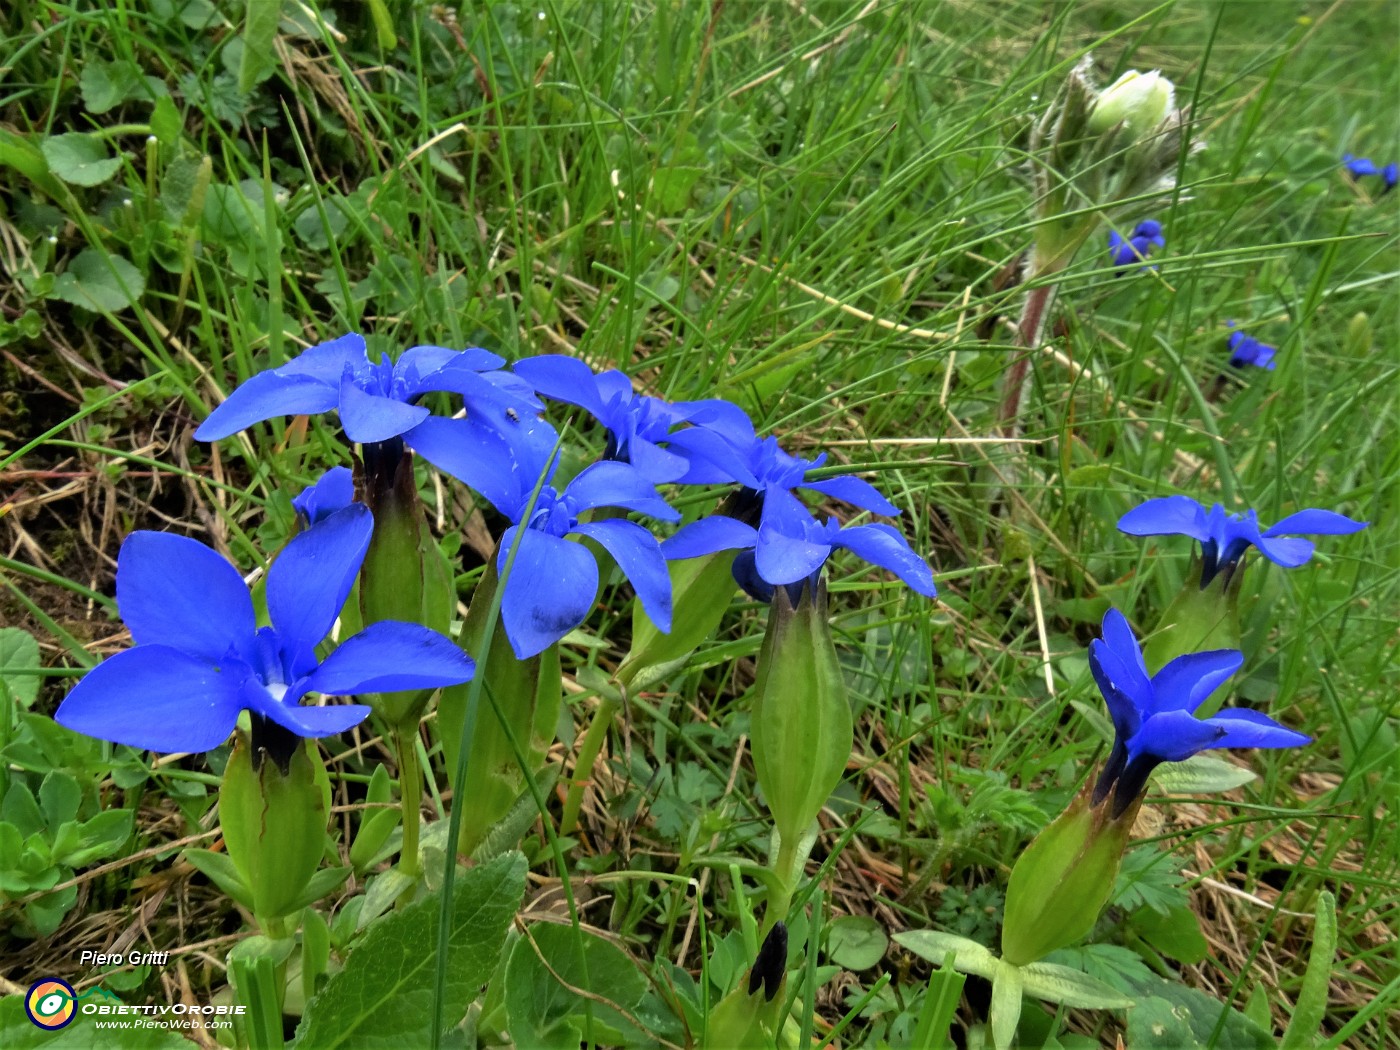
(389, 656)
(1112, 679)
(855, 491)
(416, 364)
(1290, 552)
(1118, 636)
(310, 580)
(882, 545)
(327, 361)
(639, 557)
(551, 588)
(1167, 516)
(264, 396)
(790, 546)
(655, 463)
(561, 378)
(303, 721)
(1313, 522)
(334, 491)
(707, 536)
(474, 454)
(712, 459)
(367, 418)
(611, 484)
(157, 698)
(175, 591)
(1174, 736)
(1245, 728)
(1185, 682)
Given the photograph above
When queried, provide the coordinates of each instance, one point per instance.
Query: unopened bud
(1141, 101)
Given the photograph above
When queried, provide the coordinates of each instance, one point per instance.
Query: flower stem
(410, 794)
(787, 865)
(1030, 332)
(587, 757)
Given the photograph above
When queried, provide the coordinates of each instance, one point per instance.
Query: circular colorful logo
(50, 1003)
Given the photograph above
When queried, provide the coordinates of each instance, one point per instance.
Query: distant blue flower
(1246, 350)
(791, 547)
(1390, 173)
(334, 492)
(553, 582)
(200, 659)
(1137, 246)
(1225, 537)
(638, 426)
(1358, 167)
(1154, 716)
(376, 401)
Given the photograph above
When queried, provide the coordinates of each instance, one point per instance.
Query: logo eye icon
(50, 1003)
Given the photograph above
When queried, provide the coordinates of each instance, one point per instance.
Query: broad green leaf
(1155, 1023)
(383, 998)
(20, 809)
(1004, 1013)
(19, 662)
(856, 942)
(106, 85)
(59, 798)
(1070, 987)
(166, 123)
(1201, 775)
(80, 159)
(934, 945)
(99, 282)
(542, 1013)
(1200, 1013)
(222, 872)
(1176, 934)
(259, 56)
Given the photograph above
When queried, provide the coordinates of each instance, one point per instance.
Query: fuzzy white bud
(1139, 100)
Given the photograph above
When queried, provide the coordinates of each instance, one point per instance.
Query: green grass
(802, 208)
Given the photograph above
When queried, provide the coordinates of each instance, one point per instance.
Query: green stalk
(410, 791)
(588, 757)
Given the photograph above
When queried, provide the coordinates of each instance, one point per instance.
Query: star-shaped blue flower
(553, 581)
(1246, 350)
(639, 426)
(1154, 716)
(790, 547)
(200, 659)
(376, 400)
(1136, 247)
(1225, 537)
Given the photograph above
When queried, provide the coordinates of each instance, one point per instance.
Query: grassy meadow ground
(811, 209)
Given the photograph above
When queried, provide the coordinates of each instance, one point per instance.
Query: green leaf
(1176, 934)
(323, 882)
(384, 996)
(1201, 775)
(1199, 1013)
(542, 1013)
(80, 159)
(99, 282)
(222, 872)
(18, 1032)
(856, 942)
(259, 37)
(59, 798)
(106, 85)
(1070, 987)
(1004, 1013)
(20, 809)
(1311, 1008)
(166, 123)
(19, 662)
(934, 945)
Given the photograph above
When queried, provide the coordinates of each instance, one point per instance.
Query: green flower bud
(1140, 101)
(751, 1016)
(700, 589)
(1198, 618)
(801, 732)
(1063, 879)
(274, 805)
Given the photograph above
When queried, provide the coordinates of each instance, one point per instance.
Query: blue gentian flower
(376, 401)
(200, 659)
(790, 548)
(1390, 173)
(1225, 537)
(553, 582)
(1359, 167)
(1154, 716)
(1246, 350)
(334, 492)
(1138, 244)
(638, 426)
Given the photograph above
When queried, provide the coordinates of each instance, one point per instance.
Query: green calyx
(274, 824)
(1063, 879)
(1198, 619)
(801, 731)
(404, 576)
(519, 710)
(700, 589)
